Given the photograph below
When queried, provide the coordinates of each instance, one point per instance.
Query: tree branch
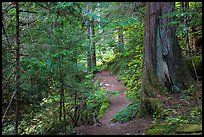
(8, 106)
(28, 11)
(137, 8)
(7, 82)
(42, 6)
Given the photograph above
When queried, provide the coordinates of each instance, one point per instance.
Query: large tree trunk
(164, 69)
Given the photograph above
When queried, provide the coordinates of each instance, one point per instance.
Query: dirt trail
(107, 127)
(110, 83)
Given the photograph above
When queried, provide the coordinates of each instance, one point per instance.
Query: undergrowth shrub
(126, 114)
(44, 118)
(103, 108)
(165, 124)
(197, 60)
(129, 73)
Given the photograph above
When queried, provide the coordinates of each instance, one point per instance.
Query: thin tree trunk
(64, 112)
(62, 98)
(185, 5)
(63, 102)
(75, 108)
(61, 93)
(91, 54)
(17, 68)
(93, 46)
(89, 61)
(120, 40)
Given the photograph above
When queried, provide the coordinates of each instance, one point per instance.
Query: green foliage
(104, 108)
(112, 94)
(197, 60)
(129, 72)
(128, 64)
(126, 114)
(53, 48)
(96, 101)
(161, 129)
(89, 76)
(43, 119)
(168, 121)
(195, 116)
(192, 28)
(8, 128)
(165, 123)
(189, 129)
(113, 65)
(189, 93)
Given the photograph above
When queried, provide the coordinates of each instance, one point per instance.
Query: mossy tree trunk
(164, 69)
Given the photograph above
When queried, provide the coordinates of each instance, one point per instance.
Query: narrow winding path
(107, 127)
(110, 83)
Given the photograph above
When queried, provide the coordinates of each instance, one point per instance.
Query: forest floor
(136, 126)
(105, 126)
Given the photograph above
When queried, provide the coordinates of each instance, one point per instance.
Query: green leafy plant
(126, 114)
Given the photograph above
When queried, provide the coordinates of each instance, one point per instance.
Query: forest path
(107, 127)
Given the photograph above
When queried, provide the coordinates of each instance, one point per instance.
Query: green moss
(152, 84)
(160, 129)
(189, 128)
(167, 129)
(150, 89)
(153, 105)
(149, 106)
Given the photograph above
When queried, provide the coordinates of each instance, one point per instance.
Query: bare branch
(28, 11)
(136, 7)
(8, 106)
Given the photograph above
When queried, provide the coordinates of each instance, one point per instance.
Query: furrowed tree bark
(164, 69)
(17, 78)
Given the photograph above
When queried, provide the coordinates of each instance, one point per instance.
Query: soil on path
(107, 127)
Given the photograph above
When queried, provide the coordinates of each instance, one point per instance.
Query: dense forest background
(51, 52)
